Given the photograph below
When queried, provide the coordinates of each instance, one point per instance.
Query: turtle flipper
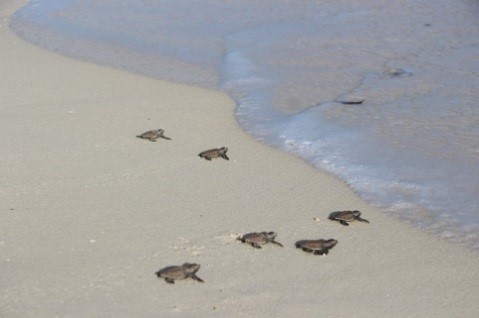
(343, 222)
(208, 158)
(193, 276)
(255, 245)
(361, 219)
(224, 156)
(321, 252)
(169, 280)
(307, 250)
(164, 137)
(277, 243)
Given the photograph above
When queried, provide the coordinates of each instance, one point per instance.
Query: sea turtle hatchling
(215, 153)
(172, 273)
(258, 239)
(152, 135)
(317, 247)
(344, 217)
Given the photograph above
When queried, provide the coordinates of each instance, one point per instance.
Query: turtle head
(224, 149)
(330, 243)
(270, 235)
(356, 213)
(191, 268)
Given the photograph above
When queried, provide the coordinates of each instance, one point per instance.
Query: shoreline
(96, 211)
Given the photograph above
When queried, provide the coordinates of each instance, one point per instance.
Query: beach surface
(89, 212)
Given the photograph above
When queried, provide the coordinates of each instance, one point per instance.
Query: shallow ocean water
(412, 146)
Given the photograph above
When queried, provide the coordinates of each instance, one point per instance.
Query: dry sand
(89, 212)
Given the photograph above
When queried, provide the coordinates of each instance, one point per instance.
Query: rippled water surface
(412, 146)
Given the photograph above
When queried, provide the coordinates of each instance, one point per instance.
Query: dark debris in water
(399, 72)
(351, 102)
